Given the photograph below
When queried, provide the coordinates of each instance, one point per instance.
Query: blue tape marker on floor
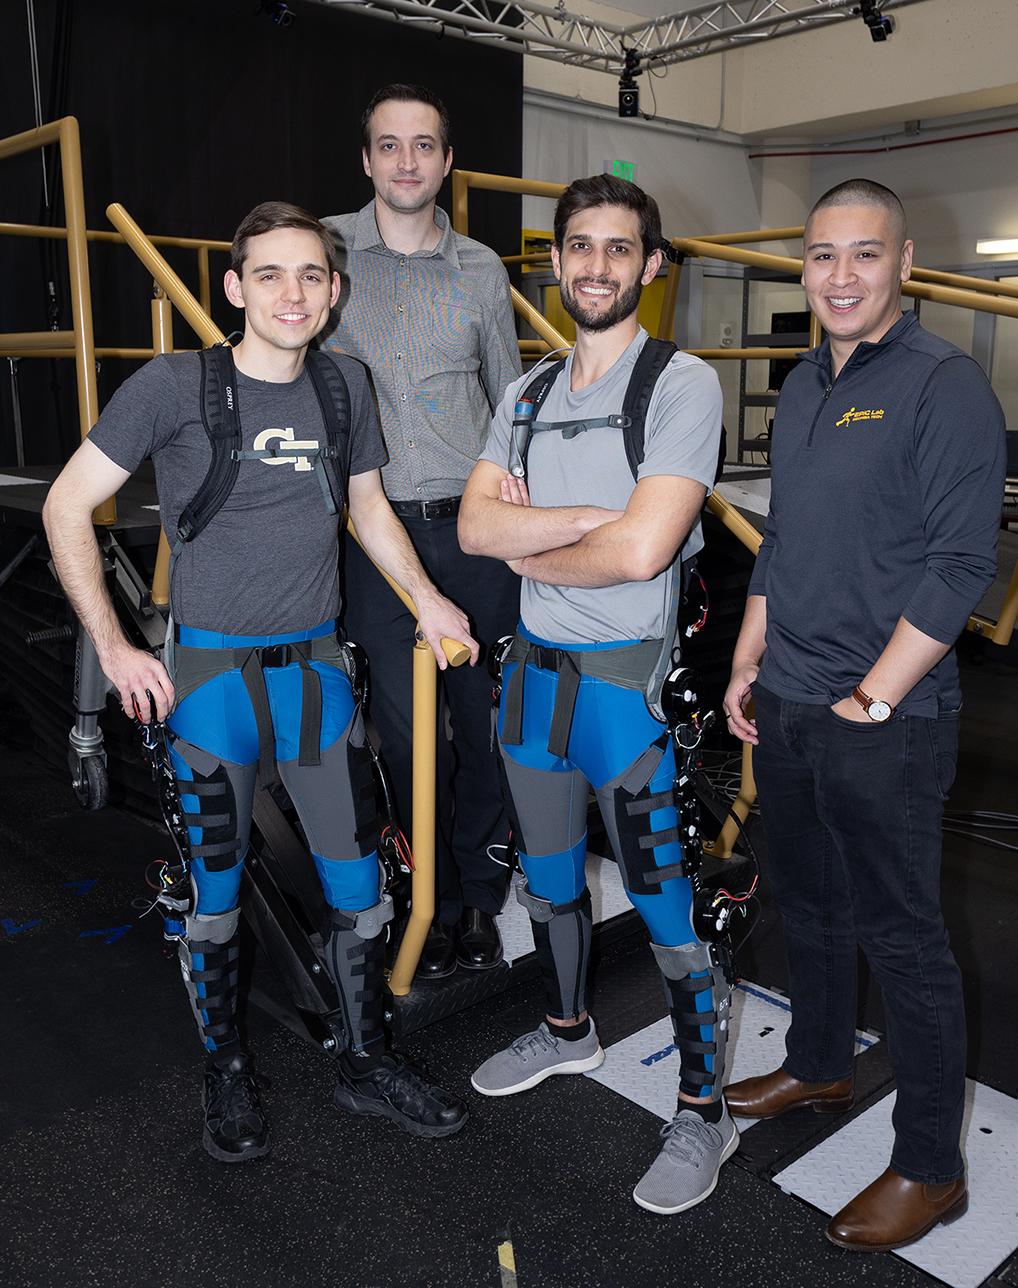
(112, 933)
(10, 928)
(81, 887)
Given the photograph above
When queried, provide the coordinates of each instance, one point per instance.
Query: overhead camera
(879, 25)
(276, 11)
(629, 91)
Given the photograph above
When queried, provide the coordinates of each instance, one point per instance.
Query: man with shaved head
(888, 469)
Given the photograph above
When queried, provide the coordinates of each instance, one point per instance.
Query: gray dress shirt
(436, 329)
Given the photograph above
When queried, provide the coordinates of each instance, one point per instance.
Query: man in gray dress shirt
(428, 311)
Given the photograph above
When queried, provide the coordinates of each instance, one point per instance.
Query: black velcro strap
(207, 820)
(688, 1046)
(215, 849)
(565, 701)
(191, 787)
(698, 1079)
(699, 1019)
(650, 363)
(689, 984)
(254, 682)
(310, 712)
(656, 876)
(653, 839)
(648, 804)
(512, 713)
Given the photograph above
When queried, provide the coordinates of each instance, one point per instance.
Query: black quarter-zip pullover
(886, 493)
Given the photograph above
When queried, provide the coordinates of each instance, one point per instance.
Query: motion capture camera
(629, 91)
(880, 27)
(277, 12)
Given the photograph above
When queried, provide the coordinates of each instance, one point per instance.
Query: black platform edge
(1005, 1274)
(771, 1145)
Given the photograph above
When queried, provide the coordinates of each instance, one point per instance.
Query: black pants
(852, 816)
(470, 811)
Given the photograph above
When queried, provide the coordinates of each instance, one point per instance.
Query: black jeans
(469, 805)
(852, 818)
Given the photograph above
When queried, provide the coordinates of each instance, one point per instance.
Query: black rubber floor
(104, 1181)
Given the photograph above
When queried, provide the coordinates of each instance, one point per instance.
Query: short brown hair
(863, 192)
(271, 215)
(609, 190)
(406, 94)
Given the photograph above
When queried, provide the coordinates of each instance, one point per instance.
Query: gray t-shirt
(268, 562)
(682, 437)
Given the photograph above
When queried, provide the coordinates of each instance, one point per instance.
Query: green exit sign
(621, 169)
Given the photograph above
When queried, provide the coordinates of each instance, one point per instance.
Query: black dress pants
(852, 816)
(469, 803)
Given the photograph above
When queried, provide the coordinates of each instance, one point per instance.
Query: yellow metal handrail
(65, 133)
(425, 670)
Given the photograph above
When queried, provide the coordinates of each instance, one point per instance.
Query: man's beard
(625, 303)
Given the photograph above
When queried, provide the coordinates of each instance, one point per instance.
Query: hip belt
(630, 666)
(194, 666)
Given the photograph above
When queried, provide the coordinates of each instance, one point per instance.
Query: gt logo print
(287, 451)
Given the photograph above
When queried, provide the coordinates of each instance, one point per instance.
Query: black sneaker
(396, 1089)
(235, 1127)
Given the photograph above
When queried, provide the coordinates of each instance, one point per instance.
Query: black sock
(358, 1064)
(570, 1032)
(710, 1111)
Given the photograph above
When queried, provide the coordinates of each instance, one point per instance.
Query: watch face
(878, 711)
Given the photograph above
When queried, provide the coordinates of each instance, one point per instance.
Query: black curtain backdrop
(191, 113)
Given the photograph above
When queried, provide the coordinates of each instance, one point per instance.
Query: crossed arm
(578, 545)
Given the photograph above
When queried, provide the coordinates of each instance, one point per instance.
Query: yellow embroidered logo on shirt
(851, 416)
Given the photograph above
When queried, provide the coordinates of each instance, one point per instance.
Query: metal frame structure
(543, 31)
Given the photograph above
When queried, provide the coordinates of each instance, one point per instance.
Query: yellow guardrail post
(162, 342)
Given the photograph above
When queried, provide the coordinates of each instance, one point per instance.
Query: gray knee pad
(681, 990)
(562, 939)
(208, 954)
(354, 956)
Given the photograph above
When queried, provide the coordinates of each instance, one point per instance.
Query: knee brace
(354, 957)
(562, 939)
(627, 804)
(208, 953)
(681, 992)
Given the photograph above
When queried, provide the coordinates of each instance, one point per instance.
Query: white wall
(953, 193)
(701, 185)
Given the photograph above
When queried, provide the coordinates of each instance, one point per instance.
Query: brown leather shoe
(776, 1093)
(892, 1212)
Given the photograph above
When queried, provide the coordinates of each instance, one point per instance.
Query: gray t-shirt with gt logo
(268, 562)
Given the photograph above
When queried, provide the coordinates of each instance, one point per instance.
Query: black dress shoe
(478, 943)
(439, 956)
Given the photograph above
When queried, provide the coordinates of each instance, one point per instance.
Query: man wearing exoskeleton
(256, 451)
(591, 485)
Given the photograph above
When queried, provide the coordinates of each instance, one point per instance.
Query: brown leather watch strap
(865, 701)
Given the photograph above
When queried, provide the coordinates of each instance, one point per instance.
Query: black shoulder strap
(333, 395)
(220, 414)
(651, 362)
(532, 396)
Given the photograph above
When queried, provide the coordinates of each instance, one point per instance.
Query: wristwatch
(875, 708)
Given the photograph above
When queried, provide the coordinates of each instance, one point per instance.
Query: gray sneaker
(686, 1170)
(534, 1057)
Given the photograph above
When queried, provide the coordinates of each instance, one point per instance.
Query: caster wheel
(91, 783)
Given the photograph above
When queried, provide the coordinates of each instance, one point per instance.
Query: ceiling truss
(546, 31)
